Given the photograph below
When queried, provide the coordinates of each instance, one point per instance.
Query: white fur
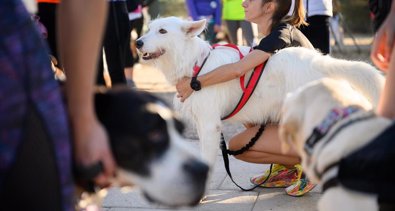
(285, 71)
(306, 108)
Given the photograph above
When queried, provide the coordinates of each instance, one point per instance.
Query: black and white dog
(146, 142)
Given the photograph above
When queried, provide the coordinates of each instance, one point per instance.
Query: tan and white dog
(173, 46)
(324, 121)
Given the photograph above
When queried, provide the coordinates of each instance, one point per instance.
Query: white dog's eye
(162, 31)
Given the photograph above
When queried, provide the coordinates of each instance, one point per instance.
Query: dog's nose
(196, 169)
(139, 44)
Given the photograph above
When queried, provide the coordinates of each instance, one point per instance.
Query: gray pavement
(222, 194)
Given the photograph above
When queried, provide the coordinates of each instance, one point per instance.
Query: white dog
(322, 108)
(173, 46)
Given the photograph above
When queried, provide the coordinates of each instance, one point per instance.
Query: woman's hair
(283, 6)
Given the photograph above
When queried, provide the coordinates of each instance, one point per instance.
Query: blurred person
(335, 23)
(233, 15)
(115, 43)
(318, 13)
(281, 32)
(379, 10)
(136, 22)
(209, 10)
(38, 131)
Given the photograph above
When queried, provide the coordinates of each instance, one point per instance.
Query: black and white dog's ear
(194, 28)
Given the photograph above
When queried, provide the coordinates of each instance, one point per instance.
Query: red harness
(247, 90)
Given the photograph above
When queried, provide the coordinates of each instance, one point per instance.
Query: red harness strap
(251, 84)
(247, 90)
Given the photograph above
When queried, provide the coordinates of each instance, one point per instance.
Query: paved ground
(222, 194)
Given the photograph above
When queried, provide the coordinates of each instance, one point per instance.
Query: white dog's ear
(194, 28)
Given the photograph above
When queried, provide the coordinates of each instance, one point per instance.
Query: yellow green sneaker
(300, 187)
(280, 177)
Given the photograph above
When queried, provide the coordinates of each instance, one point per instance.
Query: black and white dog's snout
(139, 43)
(196, 169)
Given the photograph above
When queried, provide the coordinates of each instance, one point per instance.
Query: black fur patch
(138, 136)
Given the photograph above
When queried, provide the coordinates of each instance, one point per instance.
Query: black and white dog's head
(146, 142)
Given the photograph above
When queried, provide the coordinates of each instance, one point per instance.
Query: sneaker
(280, 177)
(300, 187)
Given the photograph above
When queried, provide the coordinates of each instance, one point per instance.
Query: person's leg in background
(129, 60)
(116, 40)
(233, 26)
(248, 33)
(318, 32)
(209, 33)
(131, 53)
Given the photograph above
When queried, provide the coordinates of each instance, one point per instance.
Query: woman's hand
(91, 146)
(184, 89)
(384, 43)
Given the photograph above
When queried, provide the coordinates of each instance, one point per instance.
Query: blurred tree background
(355, 13)
(173, 8)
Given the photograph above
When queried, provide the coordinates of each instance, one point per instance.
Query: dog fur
(306, 108)
(148, 147)
(173, 46)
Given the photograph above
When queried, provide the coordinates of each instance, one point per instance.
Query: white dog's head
(165, 34)
(306, 107)
(171, 44)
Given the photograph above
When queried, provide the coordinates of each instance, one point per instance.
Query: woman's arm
(223, 73)
(80, 28)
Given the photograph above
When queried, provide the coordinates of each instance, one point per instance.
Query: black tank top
(282, 36)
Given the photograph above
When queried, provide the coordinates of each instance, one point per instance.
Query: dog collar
(334, 116)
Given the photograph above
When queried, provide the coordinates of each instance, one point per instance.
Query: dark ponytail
(298, 14)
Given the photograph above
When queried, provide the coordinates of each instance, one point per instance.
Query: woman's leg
(318, 32)
(266, 150)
